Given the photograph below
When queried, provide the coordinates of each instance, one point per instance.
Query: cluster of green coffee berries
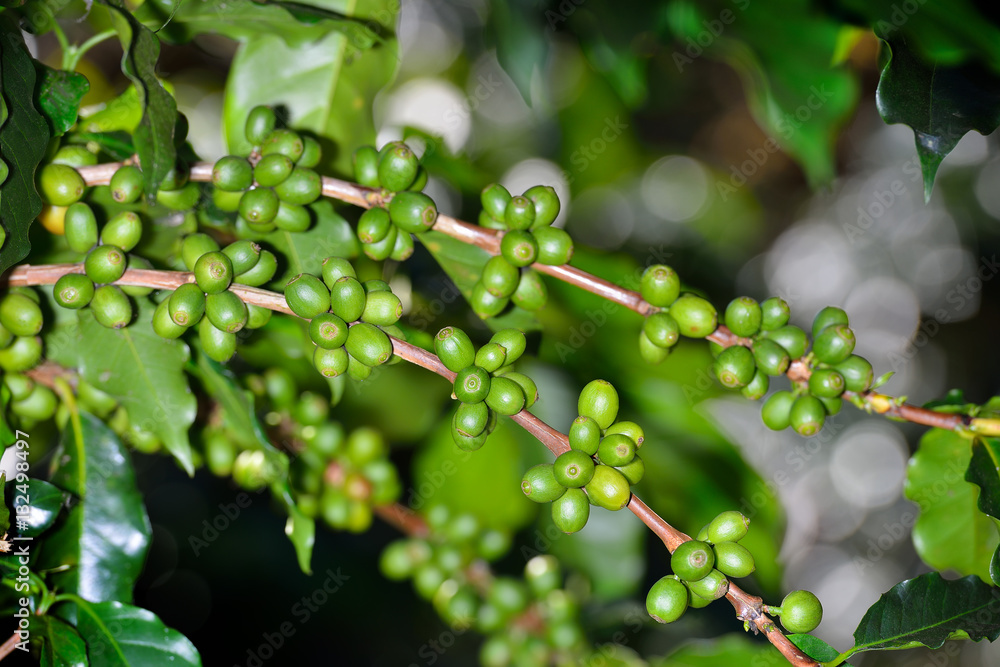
(485, 382)
(576, 480)
(270, 188)
(208, 302)
(702, 568)
(528, 238)
(676, 315)
(21, 321)
(336, 300)
(385, 231)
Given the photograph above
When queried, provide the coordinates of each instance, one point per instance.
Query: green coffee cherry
(776, 411)
(181, 199)
(226, 311)
(284, 142)
(540, 484)
(366, 166)
(695, 316)
(257, 316)
(828, 317)
(519, 213)
(21, 355)
(660, 286)
(608, 488)
(519, 247)
(661, 329)
(527, 385)
(218, 345)
(465, 442)
(801, 612)
(303, 186)
(571, 511)
(629, 428)
(163, 325)
(555, 246)
(484, 304)
(376, 285)
(834, 344)
(334, 268)
(826, 383)
(272, 170)
(472, 384)
(667, 600)
(712, 587)
(6, 337)
(455, 349)
(651, 353)
(729, 526)
(219, 454)
(491, 357)
(328, 331)
(262, 271)
(500, 277)
(20, 315)
(70, 291)
(233, 174)
(733, 560)
(177, 177)
(403, 249)
(505, 396)
(126, 184)
(123, 230)
(489, 222)
(531, 293)
(743, 316)
(187, 305)
(495, 198)
(348, 299)
(397, 166)
(774, 313)
(194, 246)
(307, 296)
(243, 256)
(368, 344)
(292, 218)
(574, 468)
(260, 123)
(374, 225)
(616, 449)
(807, 415)
(382, 309)
(111, 307)
(412, 212)
(546, 205)
(80, 227)
(599, 401)
(793, 339)
(330, 362)
(74, 156)
(105, 264)
(259, 206)
(857, 372)
(20, 386)
(312, 153)
(831, 405)
(471, 418)
(633, 470)
(757, 388)
(61, 185)
(511, 340)
(381, 250)
(585, 435)
(213, 272)
(39, 405)
(735, 367)
(770, 357)
(692, 560)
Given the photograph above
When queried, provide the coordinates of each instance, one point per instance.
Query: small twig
(8, 646)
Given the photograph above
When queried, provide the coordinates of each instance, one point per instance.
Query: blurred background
(658, 158)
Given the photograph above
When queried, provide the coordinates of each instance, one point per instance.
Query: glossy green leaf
(104, 536)
(984, 472)
(814, 647)
(995, 567)
(23, 139)
(44, 501)
(951, 532)
(122, 113)
(140, 369)
(940, 103)
(326, 86)
(62, 645)
(154, 136)
(120, 635)
(927, 611)
(725, 651)
(237, 403)
(59, 95)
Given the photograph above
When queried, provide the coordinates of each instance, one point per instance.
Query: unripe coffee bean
(585, 435)
(695, 316)
(770, 357)
(793, 339)
(807, 415)
(495, 198)
(526, 384)
(519, 247)
(546, 205)
(660, 286)
(633, 470)
(259, 206)
(490, 357)
(574, 468)
(334, 268)
(540, 484)
(397, 166)
(608, 488)
(70, 291)
(366, 166)
(126, 184)
(260, 123)
(757, 388)
(733, 560)
(692, 560)
(412, 212)
(616, 449)
(218, 345)
(328, 331)
(243, 255)
(531, 293)
(232, 173)
(826, 383)
(105, 264)
(348, 299)
(80, 227)
(555, 246)
(226, 311)
(213, 272)
(599, 401)
(511, 340)
(194, 246)
(471, 418)
(484, 304)
(374, 225)
(776, 411)
(307, 296)
(828, 317)
(735, 367)
(661, 329)
(61, 185)
(650, 352)
(330, 362)
(500, 277)
(292, 218)
(774, 313)
(272, 170)
(505, 396)
(743, 316)
(111, 307)
(262, 272)
(801, 612)
(123, 230)
(472, 384)
(382, 309)
(303, 186)
(163, 325)
(455, 349)
(519, 213)
(667, 600)
(857, 372)
(284, 142)
(21, 355)
(571, 511)
(834, 344)
(711, 587)
(368, 344)
(20, 315)
(187, 305)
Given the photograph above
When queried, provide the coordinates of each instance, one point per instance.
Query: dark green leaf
(995, 567)
(59, 95)
(237, 403)
(951, 532)
(137, 367)
(940, 103)
(4, 507)
(326, 86)
(520, 41)
(104, 537)
(23, 140)
(984, 472)
(44, 502)
(814, 647)
(154, 136)
(62, 645)
(927, 611)
(120, 635)
(7, 436)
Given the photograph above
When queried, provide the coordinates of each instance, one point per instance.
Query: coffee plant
(260, 316)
